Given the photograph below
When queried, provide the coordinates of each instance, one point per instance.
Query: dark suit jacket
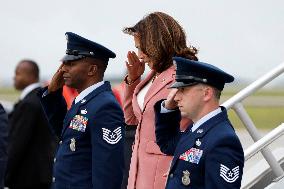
(31, 145)
(3, 144)
(90, 154)
(210, 157)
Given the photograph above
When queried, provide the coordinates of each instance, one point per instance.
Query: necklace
(155, 76)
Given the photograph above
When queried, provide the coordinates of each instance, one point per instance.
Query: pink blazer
(148, 163)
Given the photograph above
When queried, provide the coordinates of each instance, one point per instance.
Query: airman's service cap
(79, 47)
(189, 72)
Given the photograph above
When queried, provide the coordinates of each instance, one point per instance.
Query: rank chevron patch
(112, 137)
(229, 175)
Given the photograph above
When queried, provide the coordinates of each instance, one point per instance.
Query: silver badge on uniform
(83, 101)
(198, 142)
(185, 178)
(84, 111)
(72, 144)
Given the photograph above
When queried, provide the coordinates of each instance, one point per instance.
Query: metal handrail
(235, 103)
(265, 141)
(254, 133)
(256, 85)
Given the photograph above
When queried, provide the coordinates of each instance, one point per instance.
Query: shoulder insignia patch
(112, 137)
(229, 175)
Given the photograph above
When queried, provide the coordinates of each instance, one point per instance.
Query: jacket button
(60, 142)
(54, 160)
(171, 175)
(53, 179)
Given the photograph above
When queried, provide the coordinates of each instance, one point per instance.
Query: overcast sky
(244, 37)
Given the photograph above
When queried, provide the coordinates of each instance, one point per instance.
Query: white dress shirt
(142, 93)
(29, 89)
(205, 118)
(200, 121)
(87, 91)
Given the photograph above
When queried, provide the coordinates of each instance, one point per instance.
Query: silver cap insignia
(198, 142)
(84, 111)
(200, 131)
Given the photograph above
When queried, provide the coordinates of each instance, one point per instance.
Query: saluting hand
(170, 103)
(57, 81)
(135, 67)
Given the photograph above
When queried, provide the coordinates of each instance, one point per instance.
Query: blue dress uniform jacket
(90, 152)
(3, 144)
(209, 158)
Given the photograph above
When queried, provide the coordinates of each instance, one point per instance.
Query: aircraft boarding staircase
(267, 173)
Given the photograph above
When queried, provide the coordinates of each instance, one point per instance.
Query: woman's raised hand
(135, 67)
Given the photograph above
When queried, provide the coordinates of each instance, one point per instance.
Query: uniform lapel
(185, 143)
(189, 138)
(69, 116)
(75, 107)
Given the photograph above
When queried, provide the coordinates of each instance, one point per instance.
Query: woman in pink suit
(158, 37)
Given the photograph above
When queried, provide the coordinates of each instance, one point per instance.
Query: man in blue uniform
(3, 144)
(208, 154)
(90, 152)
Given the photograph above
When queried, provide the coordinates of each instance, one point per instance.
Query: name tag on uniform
(79, 123)
(192, 155)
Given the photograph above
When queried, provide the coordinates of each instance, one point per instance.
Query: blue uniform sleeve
(55, 109)
(224, 164)
(107, 137)
(3, 144)
(167, 129)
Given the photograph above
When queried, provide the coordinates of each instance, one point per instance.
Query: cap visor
(68, 57)
(182, 84)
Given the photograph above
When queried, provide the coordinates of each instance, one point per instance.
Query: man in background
(31, 143)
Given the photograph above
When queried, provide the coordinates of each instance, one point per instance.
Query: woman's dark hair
(161, 38)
